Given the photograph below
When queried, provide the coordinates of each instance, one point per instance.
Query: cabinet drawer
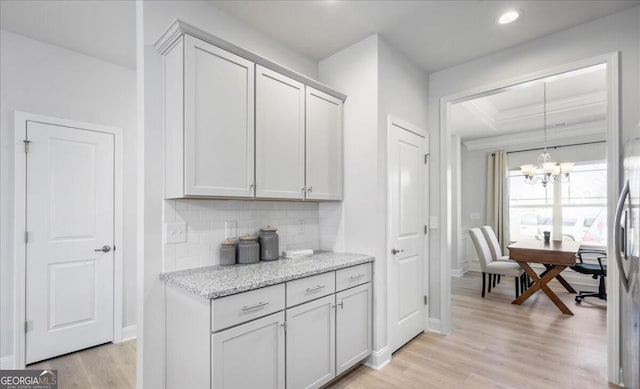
(310, 288)
(352, 276)
(242, 307)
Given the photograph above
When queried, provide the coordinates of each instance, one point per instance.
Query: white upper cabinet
(279, 136)
(324, 146)
(218, 121)
(209, 121)
(240, 126)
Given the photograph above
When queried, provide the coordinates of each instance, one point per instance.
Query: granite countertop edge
(183, 279)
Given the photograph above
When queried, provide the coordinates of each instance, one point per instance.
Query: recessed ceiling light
(508, 17)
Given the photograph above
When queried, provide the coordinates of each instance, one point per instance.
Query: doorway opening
(585, 130)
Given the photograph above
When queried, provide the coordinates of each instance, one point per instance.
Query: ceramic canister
(228, 252)
(248, 249)
(269, 244)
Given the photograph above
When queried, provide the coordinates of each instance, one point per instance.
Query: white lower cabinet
(298, 334)
(251, 355)
(311, 344)
(353, 326)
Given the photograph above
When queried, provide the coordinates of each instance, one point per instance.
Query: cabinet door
(311, 344)
(250, 355)
(279, 136)
(353, 326)
(324, 146)
(219, 121)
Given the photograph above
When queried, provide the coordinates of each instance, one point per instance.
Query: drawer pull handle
(356, 277)
(254, 306)
(309, 290)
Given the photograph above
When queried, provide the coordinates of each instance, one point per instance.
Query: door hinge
(426, 158)
(26, 145)
(426, 300)
(26, 237)
(426, 229)
(114, 247)
(28, 326)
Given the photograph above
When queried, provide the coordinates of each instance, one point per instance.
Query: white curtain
(498, 196)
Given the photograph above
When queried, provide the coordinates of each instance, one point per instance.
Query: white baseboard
(378, 359)
(6, 363)
(458, 272)
(435, 325)
(129, 333)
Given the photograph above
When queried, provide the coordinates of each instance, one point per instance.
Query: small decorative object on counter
(269, 244)
(248, 249)
(228, 252)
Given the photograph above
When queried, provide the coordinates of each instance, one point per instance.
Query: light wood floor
(102, 367)
(495, 344)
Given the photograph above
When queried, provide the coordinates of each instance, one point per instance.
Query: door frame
(611, 60)
(20, 212)
(416, 130)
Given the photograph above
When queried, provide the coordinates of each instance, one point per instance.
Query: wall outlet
(434, 222)
(230, 229)
(474, 216)
(175, 232)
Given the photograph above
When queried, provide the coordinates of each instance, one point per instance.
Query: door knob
(105, 249)
(396, 251)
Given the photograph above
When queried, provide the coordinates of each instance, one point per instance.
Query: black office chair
(595, 270)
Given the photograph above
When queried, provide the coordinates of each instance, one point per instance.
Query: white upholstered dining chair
(496, 252)
(490, 266)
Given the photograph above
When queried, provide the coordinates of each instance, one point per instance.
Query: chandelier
(545, 170)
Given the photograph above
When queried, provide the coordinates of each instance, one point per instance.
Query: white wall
(618, 32)
(354, 225)
(156, 17)
(43, 79)
(378, 81)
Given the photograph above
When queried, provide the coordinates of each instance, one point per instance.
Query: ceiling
(434, 34)
(574, 99)
(105, 29)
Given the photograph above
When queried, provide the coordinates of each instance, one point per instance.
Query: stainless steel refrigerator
(627, 254)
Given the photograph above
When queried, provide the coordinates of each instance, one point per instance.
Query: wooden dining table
(555, 255)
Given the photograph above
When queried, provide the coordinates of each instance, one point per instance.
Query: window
(583, 204)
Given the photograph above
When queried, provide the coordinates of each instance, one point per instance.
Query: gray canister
(248, 249)
(228, 252)
(269, 244)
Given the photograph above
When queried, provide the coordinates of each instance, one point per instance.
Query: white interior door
(70, 218)
(406, 261)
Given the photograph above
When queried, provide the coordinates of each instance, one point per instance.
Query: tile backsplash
(297, 224)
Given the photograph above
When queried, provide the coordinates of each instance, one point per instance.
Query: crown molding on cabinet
(177, 28)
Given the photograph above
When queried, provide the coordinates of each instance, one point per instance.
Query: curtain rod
(554, 147)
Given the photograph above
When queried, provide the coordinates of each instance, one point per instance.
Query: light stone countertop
(212, 282)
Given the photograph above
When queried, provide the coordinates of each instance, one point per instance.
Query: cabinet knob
(341, 304)
(310, 189)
